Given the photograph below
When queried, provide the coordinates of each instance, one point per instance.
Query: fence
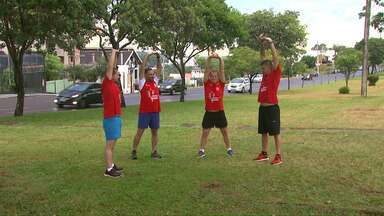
(57, 86)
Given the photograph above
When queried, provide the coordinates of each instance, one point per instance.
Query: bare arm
(262, 53)
(143, 66)
(207, 69)
(221, 73)
(111, 64)
(159, 67)
(275, 57)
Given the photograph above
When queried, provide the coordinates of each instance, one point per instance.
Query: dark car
(80, 95)
(307, 77)
(171, 86)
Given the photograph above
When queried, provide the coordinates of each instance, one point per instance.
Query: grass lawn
(52, 163)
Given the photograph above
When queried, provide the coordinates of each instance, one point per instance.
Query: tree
(242, 61)
(375, 51)
(24, 24)
(309, 61)
(285, 29)
(53, 67)
(320, 47)
(299, 68)
(183, 29)
(378, 19)
(348, 61)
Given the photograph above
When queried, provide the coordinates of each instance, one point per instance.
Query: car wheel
(60, 106)
(243, 90)
(82, 104)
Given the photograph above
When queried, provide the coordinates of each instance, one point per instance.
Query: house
(128, 62)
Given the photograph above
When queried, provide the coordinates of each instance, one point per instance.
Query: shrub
(372, 79)
(344, 90)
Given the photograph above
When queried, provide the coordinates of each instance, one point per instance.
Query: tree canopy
(375, 51)
(348, 61)
(242, 61)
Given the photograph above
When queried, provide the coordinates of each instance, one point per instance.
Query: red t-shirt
(214, 93)
(150, 97)
(269, 87)
(111, 98)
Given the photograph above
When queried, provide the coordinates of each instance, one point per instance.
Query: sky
(328, 21)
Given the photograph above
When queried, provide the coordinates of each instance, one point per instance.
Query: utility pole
(364, 89)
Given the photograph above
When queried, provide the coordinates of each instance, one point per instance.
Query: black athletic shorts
(214, 119)
(269, 120)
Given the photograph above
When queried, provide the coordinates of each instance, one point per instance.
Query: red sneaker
(263, 156)
(277, 160)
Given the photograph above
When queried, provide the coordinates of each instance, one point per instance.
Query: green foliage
(309, 61)
(7, 82)
(284, 28)
(53, 67)
(242, 61)
(84, 74)
(375, 50)
(372, 79)
(320, 47)
(201, 61)
(348, 61)
(299, 68)
(378, 19)
(344, 90)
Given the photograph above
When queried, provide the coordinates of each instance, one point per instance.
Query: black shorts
(269, 120)
(214, 119)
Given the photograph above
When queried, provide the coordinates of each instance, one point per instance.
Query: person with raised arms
(269, 110)
(112, 122)
(149, 114)
(214, 84)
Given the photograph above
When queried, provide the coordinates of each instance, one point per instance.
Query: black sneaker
(134, 155)
(119, 169)
(230, 152)
(201, 154)
(112, 173)
(155, 155)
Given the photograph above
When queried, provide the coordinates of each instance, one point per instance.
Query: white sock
(229, 149)
(109, 169)
(202, 150)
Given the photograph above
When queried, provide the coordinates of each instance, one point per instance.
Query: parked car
(258, 78)
(307, 77)
(80, 94)
(239, 85)
(171, 86)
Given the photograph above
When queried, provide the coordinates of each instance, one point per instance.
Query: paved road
(44, 103)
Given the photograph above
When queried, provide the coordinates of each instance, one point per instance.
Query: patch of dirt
(3, 173)
(215, 185)
(365, 110)
(8, 123)
(371, 213)
(188, 125)
(246, 127)
(371, 191)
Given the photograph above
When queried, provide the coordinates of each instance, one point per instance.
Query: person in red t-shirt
(112, 110)
(214, 83)
(269, 110)
(149, 115)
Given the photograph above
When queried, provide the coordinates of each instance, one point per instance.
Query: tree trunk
(19, 82)
(364, 77)
(347, 79)
(182, 74)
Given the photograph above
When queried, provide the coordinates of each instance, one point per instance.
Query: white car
(258, 78)
(239, 85)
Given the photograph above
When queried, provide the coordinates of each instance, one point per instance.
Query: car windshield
(78, 87)
(169, 82)
(237, 81)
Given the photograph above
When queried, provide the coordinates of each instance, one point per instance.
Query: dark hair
(115, 69)
(266, 62)
(147, 69)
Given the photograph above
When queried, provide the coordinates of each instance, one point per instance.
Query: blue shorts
(151, 120)
(112, 128)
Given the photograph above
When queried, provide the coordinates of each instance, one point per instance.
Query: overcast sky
(328, 21)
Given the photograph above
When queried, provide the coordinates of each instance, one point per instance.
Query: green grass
(52, 163)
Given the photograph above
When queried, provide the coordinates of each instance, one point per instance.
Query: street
(44, 103)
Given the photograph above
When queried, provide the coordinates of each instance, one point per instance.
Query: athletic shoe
(263, 156)
(230, 152)
(119, 169)
(112, 173)
(201, 154)
(277, 160)
(155, 155)
(134, 155)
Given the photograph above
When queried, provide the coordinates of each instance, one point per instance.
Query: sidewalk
(3, 96)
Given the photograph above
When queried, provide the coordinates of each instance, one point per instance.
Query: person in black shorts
(269, 110)
(214, 84)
